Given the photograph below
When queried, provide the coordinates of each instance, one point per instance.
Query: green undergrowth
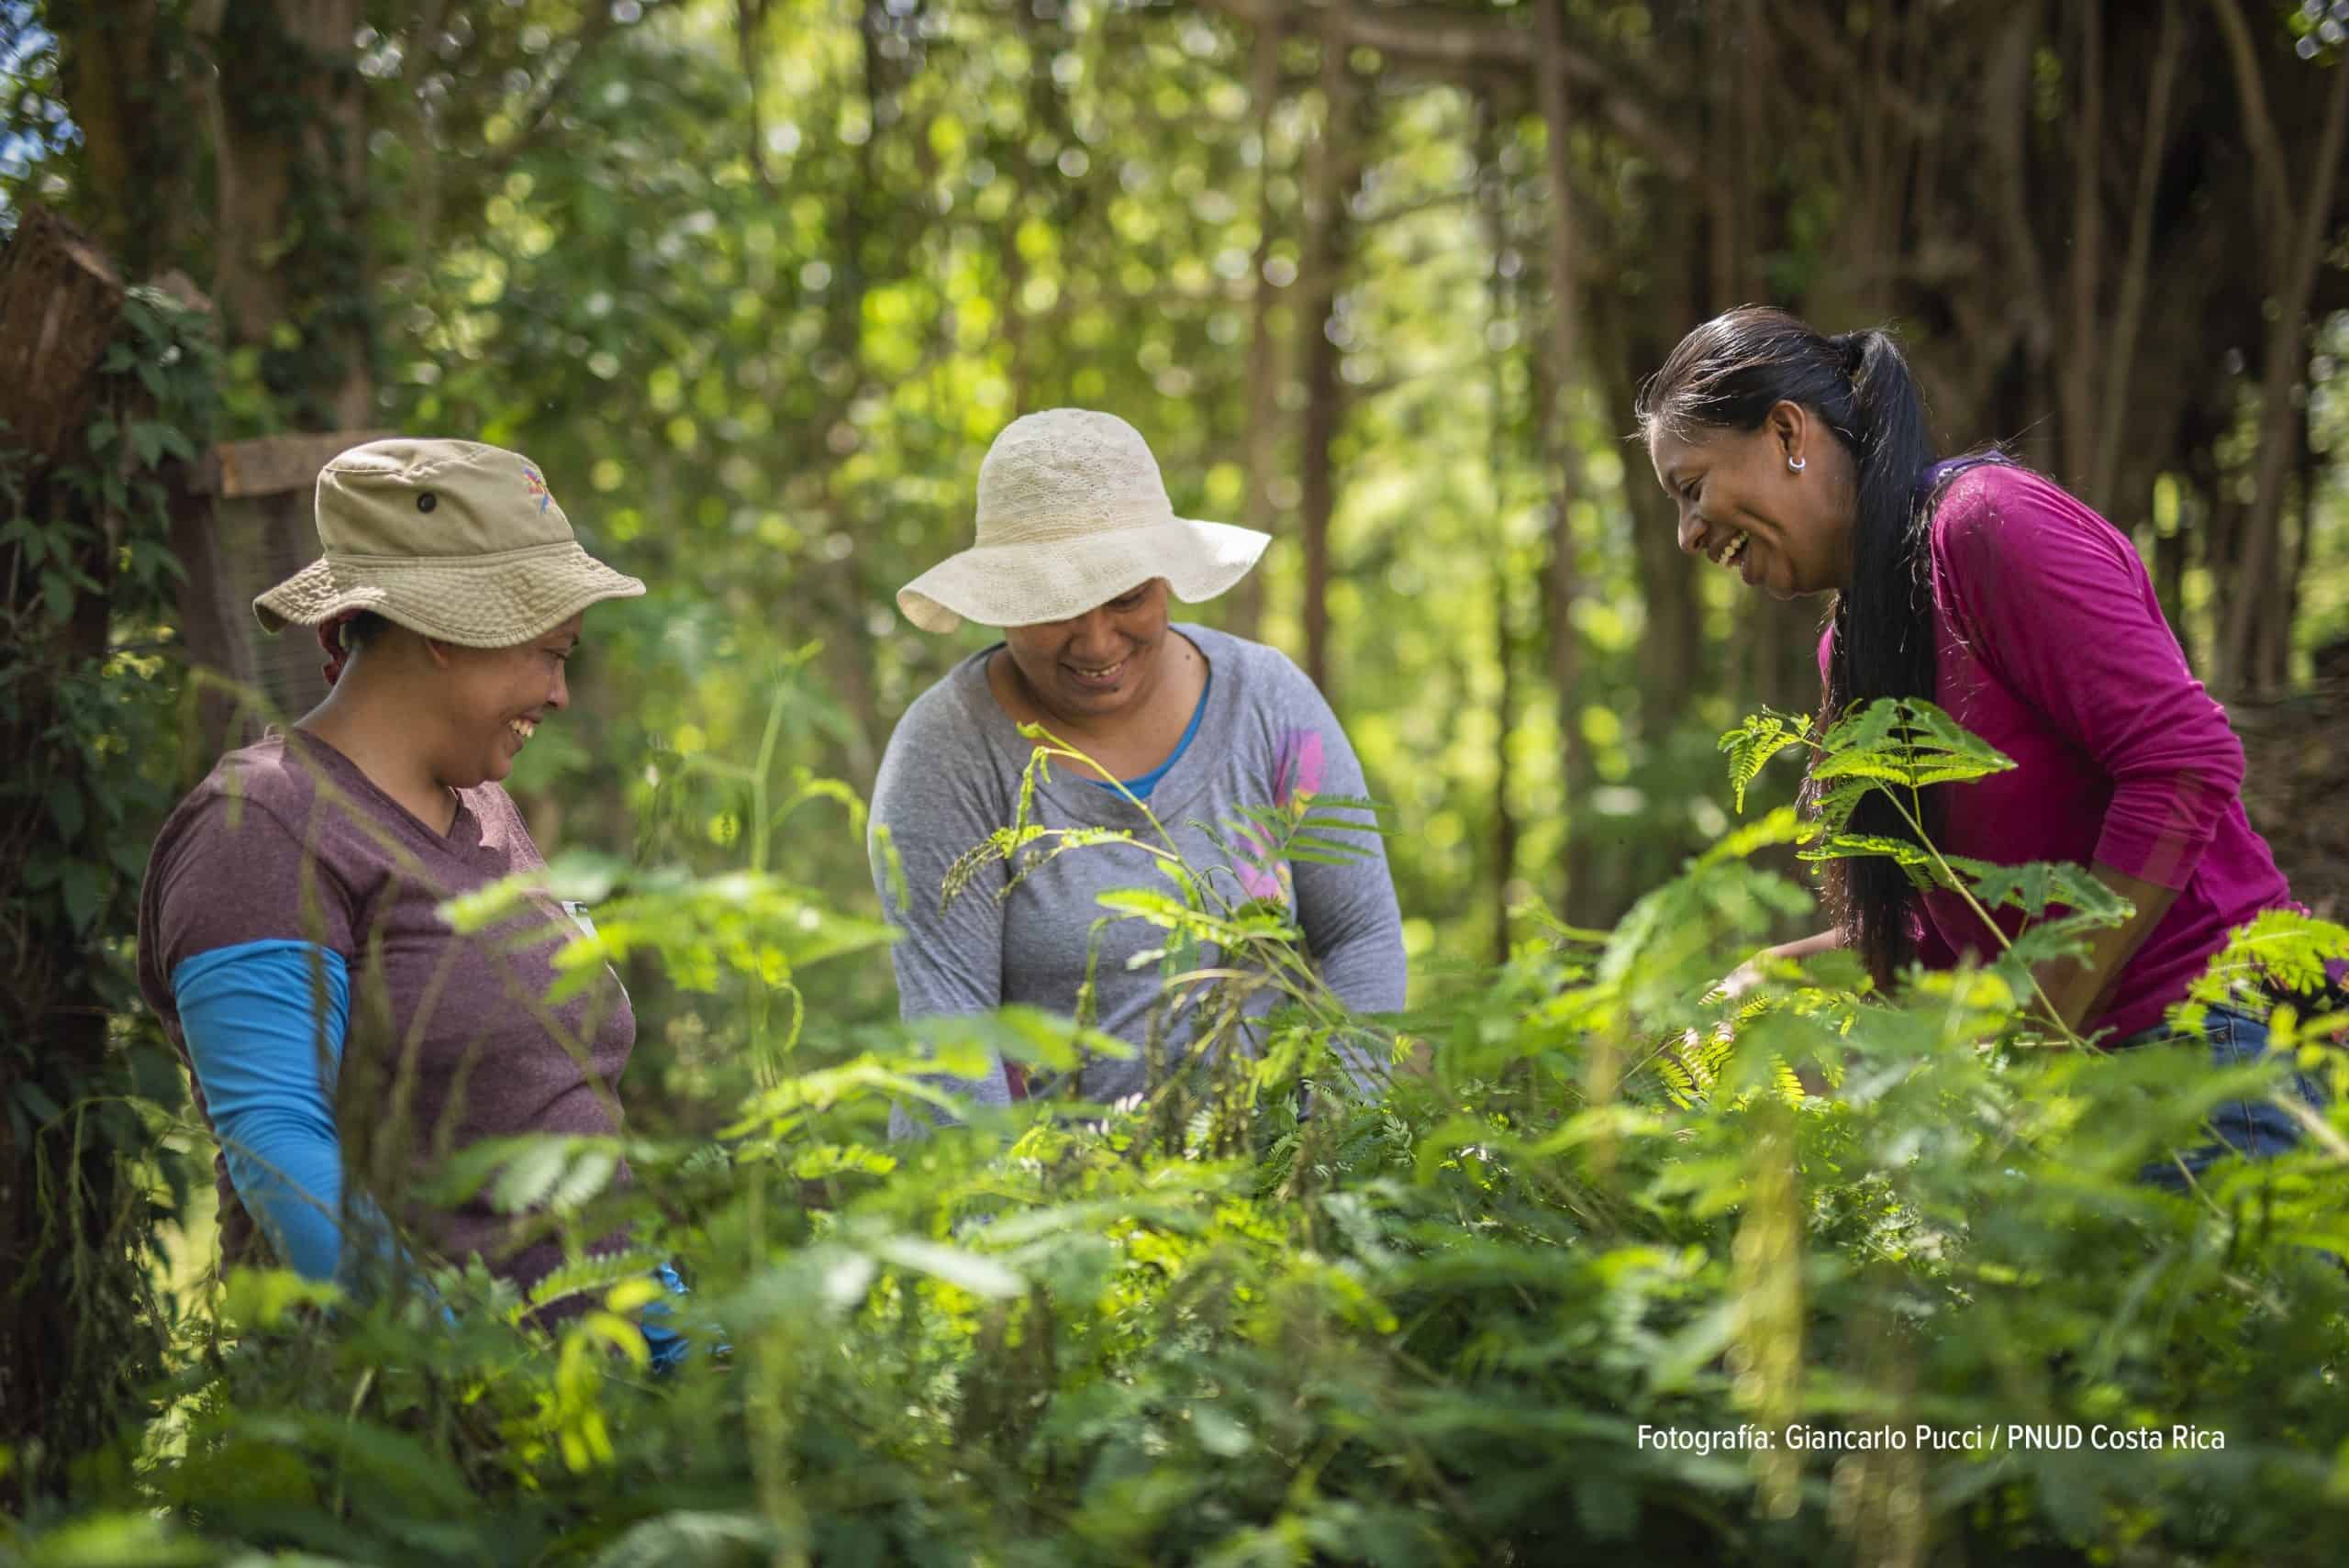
(1816, 1275)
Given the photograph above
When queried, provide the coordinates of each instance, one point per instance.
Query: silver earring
(1797, 464)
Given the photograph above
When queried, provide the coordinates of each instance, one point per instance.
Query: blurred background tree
(757, 283)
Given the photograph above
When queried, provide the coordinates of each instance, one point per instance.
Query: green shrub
(1445, 1326)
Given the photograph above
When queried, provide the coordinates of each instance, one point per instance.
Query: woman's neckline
(341, 762)
(1003, 731)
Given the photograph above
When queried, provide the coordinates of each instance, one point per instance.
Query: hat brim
(483, 600)
(1026, 585)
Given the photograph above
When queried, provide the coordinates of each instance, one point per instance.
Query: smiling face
(1097, 665)
(1741, 504)
(493, 698)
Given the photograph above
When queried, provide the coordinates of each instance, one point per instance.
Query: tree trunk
(1247, 602)
(1740, 283)
(2275, 630)
(2128, 308)
(2169, 582)
(2283, 367)
(1330, 178)
(847, 660)
(288, 138)
(2075, 388)
(1562, 349)
(1319, 499)
(136, 156)
(1772, 663)
(1626, 349)
(287, 118)
(1505, 830)
(1501, 461)
(75, 1338)
(2008, 113)
(292, 166)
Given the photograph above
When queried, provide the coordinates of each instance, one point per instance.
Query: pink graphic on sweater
(1297, 772)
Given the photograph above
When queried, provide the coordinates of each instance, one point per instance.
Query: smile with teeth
(1730, 553)
(523, 728)
(1106, 672)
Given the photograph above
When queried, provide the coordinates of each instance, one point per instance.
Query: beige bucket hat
(1072, 514)
(460, 542)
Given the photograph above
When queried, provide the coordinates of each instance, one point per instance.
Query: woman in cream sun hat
(289, 931)
(1072, 514)
(1078, 551)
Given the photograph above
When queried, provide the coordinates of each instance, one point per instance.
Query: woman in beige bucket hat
(290, 938)
(1078, 551)
(458, 553)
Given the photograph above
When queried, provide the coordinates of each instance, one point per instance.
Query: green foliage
(87, 1087)
(1750, 745)
(756, 283)
(1900, 747)
(1443, 1325)
(97, 533)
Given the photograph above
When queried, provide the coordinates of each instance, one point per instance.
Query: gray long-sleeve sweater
(951, 776)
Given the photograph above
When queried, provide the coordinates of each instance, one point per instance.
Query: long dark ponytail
(1728, 373)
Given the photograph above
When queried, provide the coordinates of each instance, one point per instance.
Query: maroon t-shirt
(451, 1037)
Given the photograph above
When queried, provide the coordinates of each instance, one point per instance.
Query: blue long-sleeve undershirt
(264, 1024)
(1140, 788)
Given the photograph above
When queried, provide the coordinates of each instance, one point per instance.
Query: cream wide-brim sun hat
(1072, 514)
(460, 542)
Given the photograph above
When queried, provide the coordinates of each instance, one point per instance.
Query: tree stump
(59, 299)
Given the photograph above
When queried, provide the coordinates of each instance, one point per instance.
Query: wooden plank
(234, 550)
(272, 465)
(250, 528)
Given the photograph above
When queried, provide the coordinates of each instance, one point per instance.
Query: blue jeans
(2258, 1129)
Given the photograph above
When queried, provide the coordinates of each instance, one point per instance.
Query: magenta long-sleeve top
(2054, 648)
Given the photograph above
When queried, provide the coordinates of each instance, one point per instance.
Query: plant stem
(1957, 884)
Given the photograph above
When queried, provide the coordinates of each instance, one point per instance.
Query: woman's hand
(1747, 975)
(1741, 979)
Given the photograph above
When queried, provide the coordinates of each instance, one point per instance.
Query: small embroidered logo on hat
(538, 485)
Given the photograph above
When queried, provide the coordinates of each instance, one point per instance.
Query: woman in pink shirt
(1803, 463)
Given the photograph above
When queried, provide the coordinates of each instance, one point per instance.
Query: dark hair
(342, 636)
(361, 630)
(1728, 373)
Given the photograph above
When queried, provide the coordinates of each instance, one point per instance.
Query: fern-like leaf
(1752, 744)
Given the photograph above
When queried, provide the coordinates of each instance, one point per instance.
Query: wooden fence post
(253, 527)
